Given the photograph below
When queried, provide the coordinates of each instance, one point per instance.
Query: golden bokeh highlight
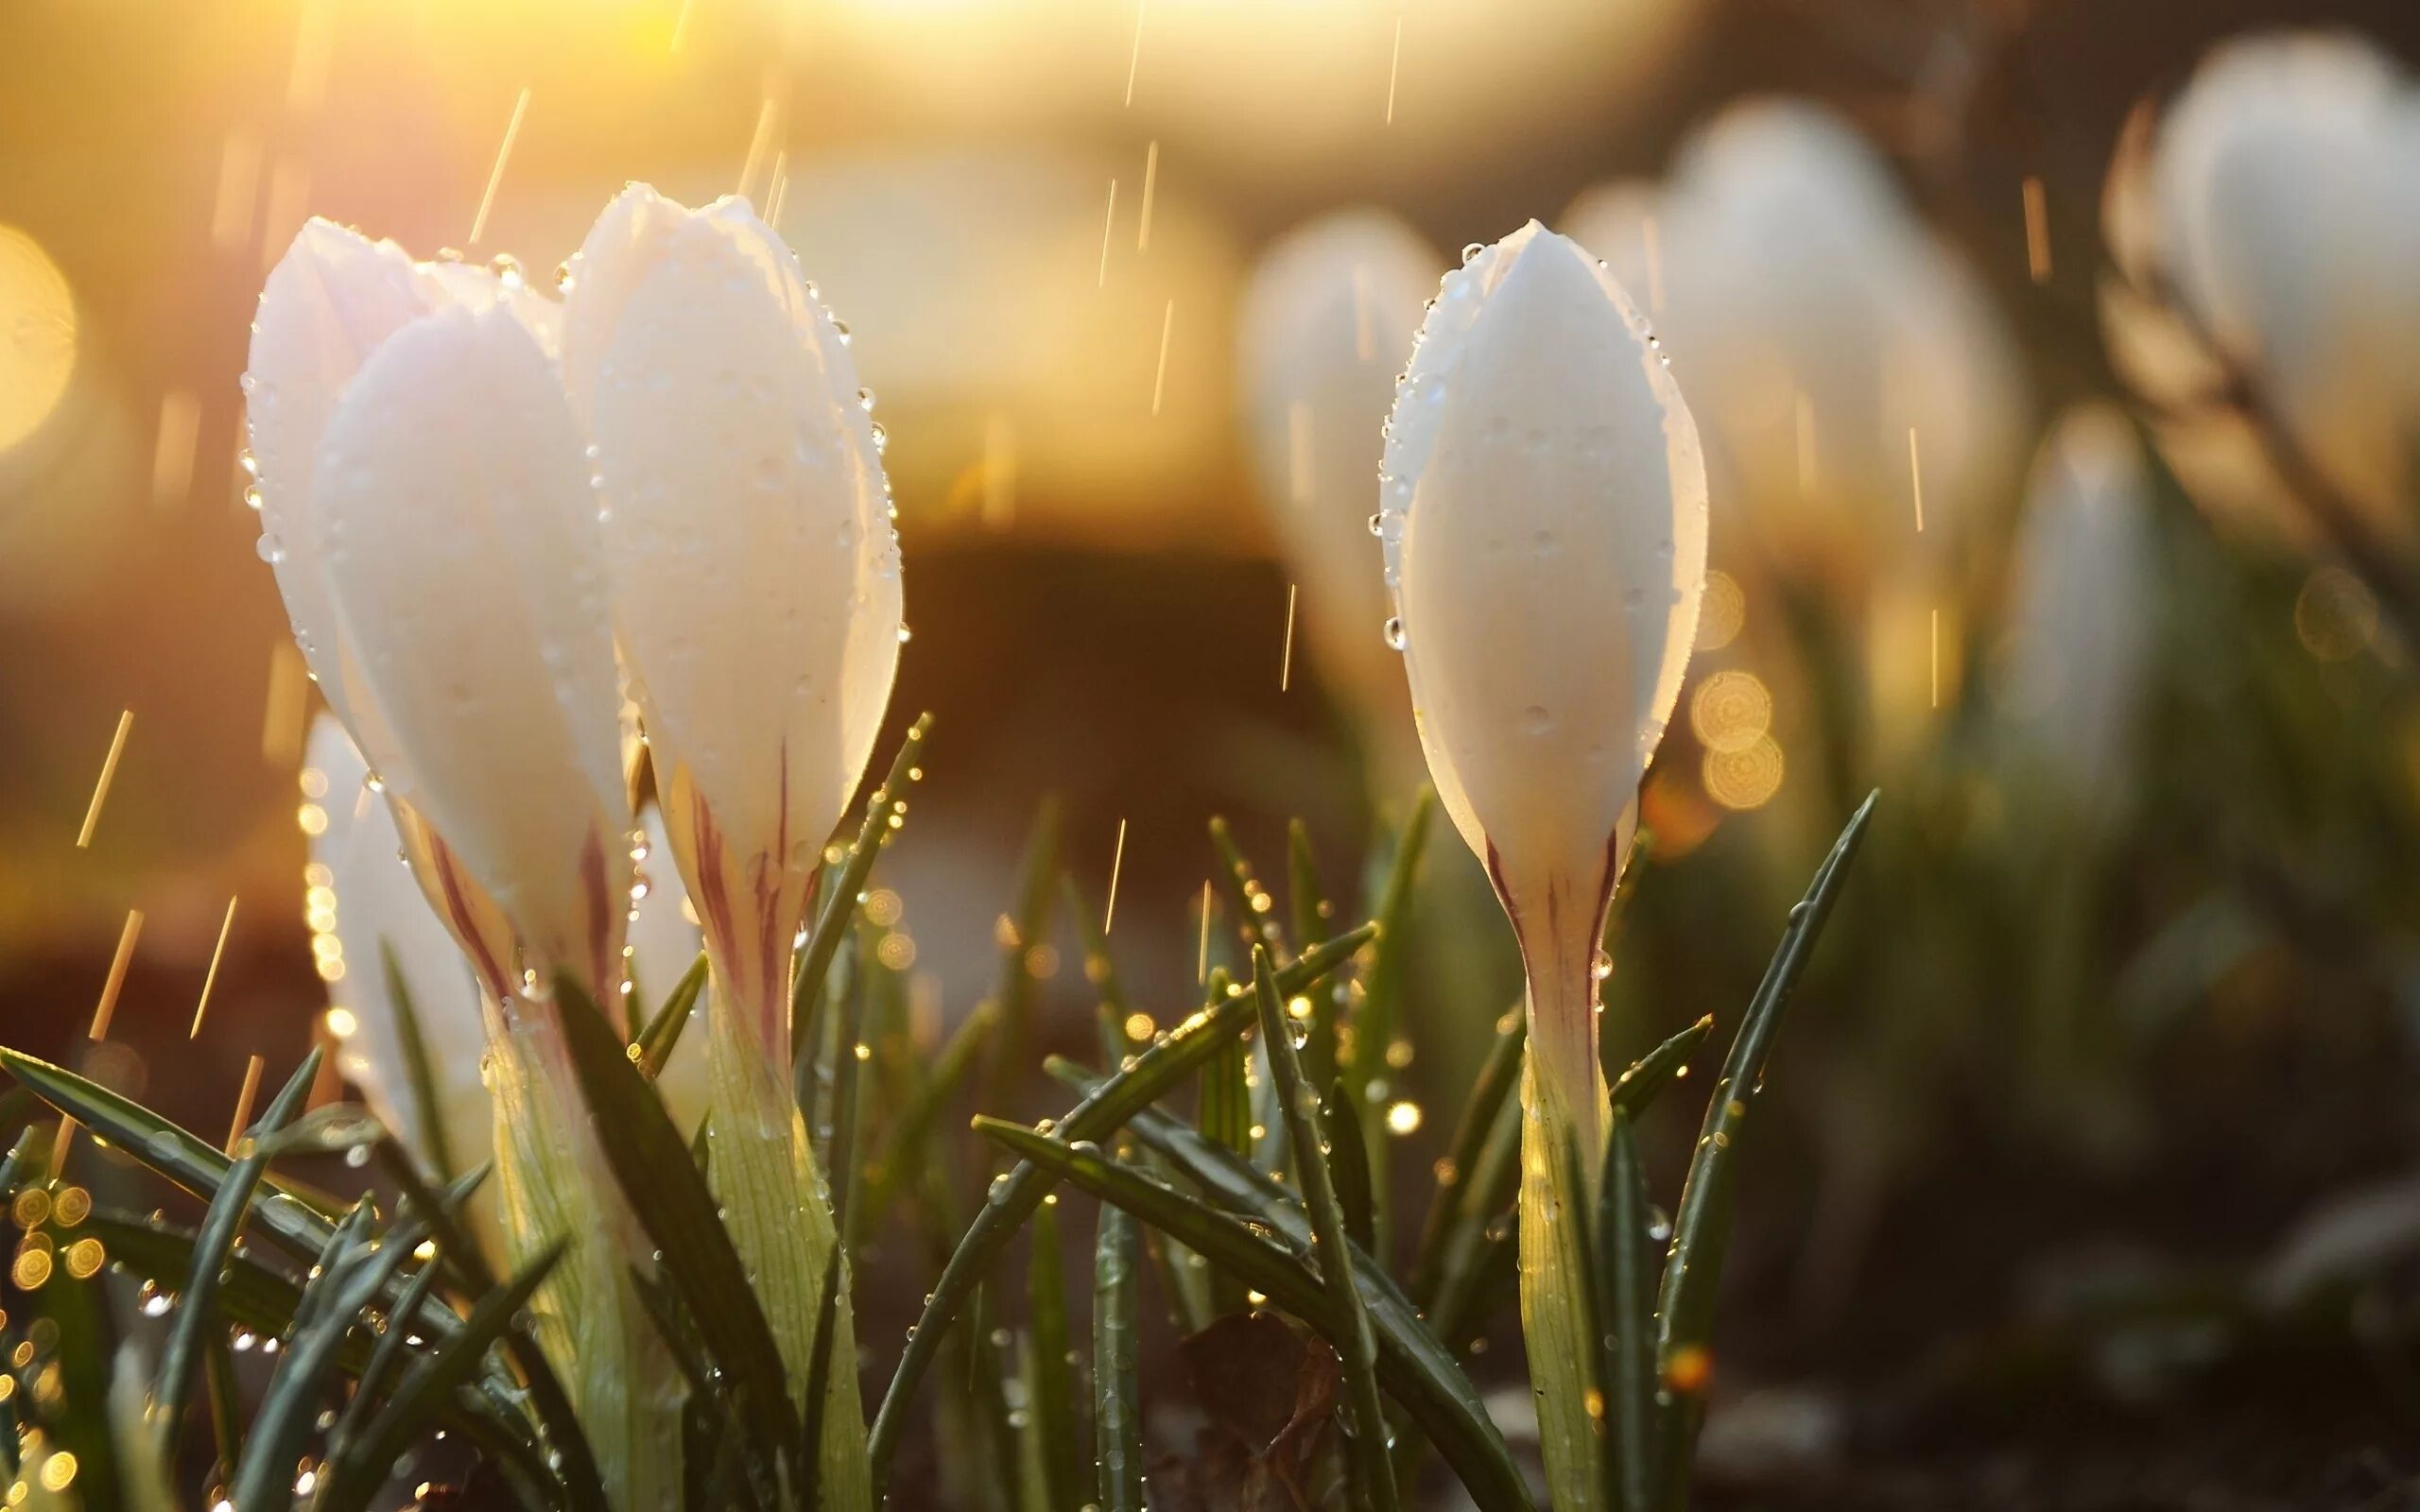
(1746, 779)
(2336, 617)
(36, 336)
(1722, 612)
(1731, 710)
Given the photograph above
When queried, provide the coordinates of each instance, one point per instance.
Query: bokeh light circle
(36, 336)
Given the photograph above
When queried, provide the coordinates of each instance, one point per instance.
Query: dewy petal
(756, 572)
(1552, 512)
(1326, 325)
(459, 541)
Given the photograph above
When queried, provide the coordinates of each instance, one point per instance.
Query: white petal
(756, 572)
(1550, 559)
(459, 543)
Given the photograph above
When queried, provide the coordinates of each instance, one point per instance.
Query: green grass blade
(428, 1109)
(883, 805)
(1348, 1162)
(290, 1407)
(1118, 1391)
(1375, 1016)
(819, 1371)
(652, 1162)
(843, 1155)
(197, 1312)
(1498, 1074)
(1639, 1082)
(386, 1357)
(1015, 1195)
(1037, 888)
(1625, 1279)
(1701, 1227)
(226, 1399)
(1307, 896)
(1414, 1368)
(1255, 910)
(1357, 1347)
(1055, 1419)
(354, 1474)
(663, 1031)
(901, 1156)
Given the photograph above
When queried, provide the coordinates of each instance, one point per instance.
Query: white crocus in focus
(2085, 611)
(1543, 518)
(756, 596)
(2277, 206)
(1326, 328)
(427, 504)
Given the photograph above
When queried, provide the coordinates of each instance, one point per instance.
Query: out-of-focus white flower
(1816, 321)
(2084, 609)
(1544, 532)
(1326, 327)
(426, 504)
(2277, 204)
(756, 572)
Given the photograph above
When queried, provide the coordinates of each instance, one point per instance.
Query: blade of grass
(883, 805)
(1015, 1195)
(1019, 934)
(1625, 1279)
(429, 1111)
(663, 1031)
(902, 1153)
(1255, 911)
(1702, 1229)
(1357, 1347)
(1412, 1365)
(1348, 1165)
(1382, 977)
(1307, 895)
(1054, 1362)
(290, 1407)
(1497, 1076)
(224, 1221)
(1117, 1401)
(652, 1162)
(843, 1159)
(819, 1371)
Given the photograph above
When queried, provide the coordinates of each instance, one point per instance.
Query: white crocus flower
(1325, 329)
(756, 591)
(2085, 604)
(1822, 322)
(2277, 204)
(427, 504)
(1544, 519)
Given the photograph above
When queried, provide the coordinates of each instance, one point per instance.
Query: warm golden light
(37, 335)
(1731, 710)
(1745, 778)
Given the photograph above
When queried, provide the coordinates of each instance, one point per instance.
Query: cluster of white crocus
(2085, 611)
(1543, 511)
(2266, 228)
(487, 511)
(1824, 323)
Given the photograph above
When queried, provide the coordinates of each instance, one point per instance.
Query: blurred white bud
(1326, 327)
(756, 572)
(1817, 322)
(2084, 609)
(2276, 203)
(1544, 537)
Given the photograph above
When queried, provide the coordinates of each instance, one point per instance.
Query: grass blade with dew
(357, 1468)
(1307, 896)
(885, 806)
(1274, 1260)
(842, 1158)
(428, 1109)
(1256, 928)
(220, 1224)
(1117, 1399)
(663, 1031)
(819, 1368)
(1348, 1165)
(1015, 1195)
(1624, 1260)
(1701, 1227)
(1357, 1347)
(550, 1403)
(1054, 1404)
(653, 1164)
(1019, 934)
(1224, 1111)
(1382, 978)
(1498, 1074)
(290, 1407)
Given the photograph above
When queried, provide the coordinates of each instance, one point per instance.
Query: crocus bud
(1545, 524)
(1545, 531)
(2278, 203)
(2085, 611)
(1327, 326)
(755, 568)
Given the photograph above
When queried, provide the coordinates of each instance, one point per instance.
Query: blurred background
(2062, 409)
